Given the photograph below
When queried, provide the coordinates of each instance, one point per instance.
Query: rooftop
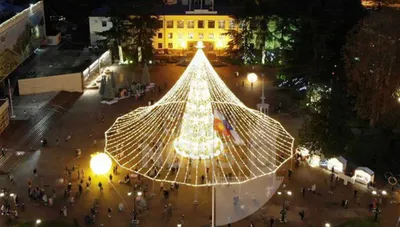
(48, 61)
(176, 9)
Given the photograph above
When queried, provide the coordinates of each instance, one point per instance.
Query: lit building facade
(180, 32)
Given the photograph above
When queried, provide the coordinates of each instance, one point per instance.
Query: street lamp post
(283, 211)
(37, 222)
(252, 77)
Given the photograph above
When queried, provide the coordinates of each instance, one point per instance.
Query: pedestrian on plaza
(289, 173)
(271, 222)
(313, 188)
(355, 194)
(182, 219)
(207, 169)
(116, 169)
(252, 224)
(242, 83)
(169, 210)
(79, 174)
(109, 212)
(87, 186)
(110, 177)
(80, 189)
(35, 172)
(90, 180)
(302, 213)
(202, 178)
(161, 186)
(54, 193)
(57, 141)
(65, 211)
(3, 153)
(100, 186)
(303, 192)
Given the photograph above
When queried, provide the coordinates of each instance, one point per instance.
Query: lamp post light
(252, 77)
(327, 225)
(37, 222)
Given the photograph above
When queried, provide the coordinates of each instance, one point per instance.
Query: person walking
(110, 177)
(202, 179)
(35, 172)
(80, 189)
(90, 180)
(109, 212)
(289, 173)
(302, 213)
(100, 186)
(161, 186)
(271, 222)
(3, 153)
(252, 224)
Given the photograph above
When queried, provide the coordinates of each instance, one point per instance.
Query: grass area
(56, 223)
(360, 223)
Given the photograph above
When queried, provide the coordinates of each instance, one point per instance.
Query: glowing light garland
(174, 140)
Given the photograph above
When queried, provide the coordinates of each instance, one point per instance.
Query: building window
(181, 24)
(170, 35)
(221, 36)
(170, 24)
(170, 46)
(159, 45)
(180, 35)
(211, 24)
(159, 24)
(232, 24)
(190, 36)
(159, 35)
(103, 23)
(221, 24)
(190, 24)
(211, 36)
(200, 24)
(201, 35)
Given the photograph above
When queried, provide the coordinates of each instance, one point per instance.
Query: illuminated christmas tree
(197, 138)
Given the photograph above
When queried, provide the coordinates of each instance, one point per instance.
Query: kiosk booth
(364, 175)
(338, 164)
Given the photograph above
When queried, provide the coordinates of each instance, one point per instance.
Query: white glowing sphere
(200, 45)
(100, 163)
(252, 77)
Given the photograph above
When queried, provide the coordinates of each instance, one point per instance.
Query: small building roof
(366, 169)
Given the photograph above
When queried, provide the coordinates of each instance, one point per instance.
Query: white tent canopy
(364, 175)
(339, 164)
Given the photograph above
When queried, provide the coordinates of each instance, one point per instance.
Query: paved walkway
(83, 122)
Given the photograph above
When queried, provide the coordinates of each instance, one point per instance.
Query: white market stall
(364, 175)
(339, 164)
(304, 152)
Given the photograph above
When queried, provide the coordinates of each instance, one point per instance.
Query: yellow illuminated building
(182, 32)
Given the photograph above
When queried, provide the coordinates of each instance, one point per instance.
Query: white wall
(96, 25)
(68, 82)
(54, 40)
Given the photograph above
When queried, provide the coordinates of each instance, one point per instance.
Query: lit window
(221, 24)
(232, 24)
(190, 36)
(201, 35)
(221, 36)
(159, 45)
(211, 24)
(200, 24)
(104, 23)
(159, 35)
(211, 36)
(170, 46)
(170, 35)
(180, 35)
(181, 24)
(170, 24)
(190, 24)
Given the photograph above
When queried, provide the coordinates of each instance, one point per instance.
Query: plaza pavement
(83, 121)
